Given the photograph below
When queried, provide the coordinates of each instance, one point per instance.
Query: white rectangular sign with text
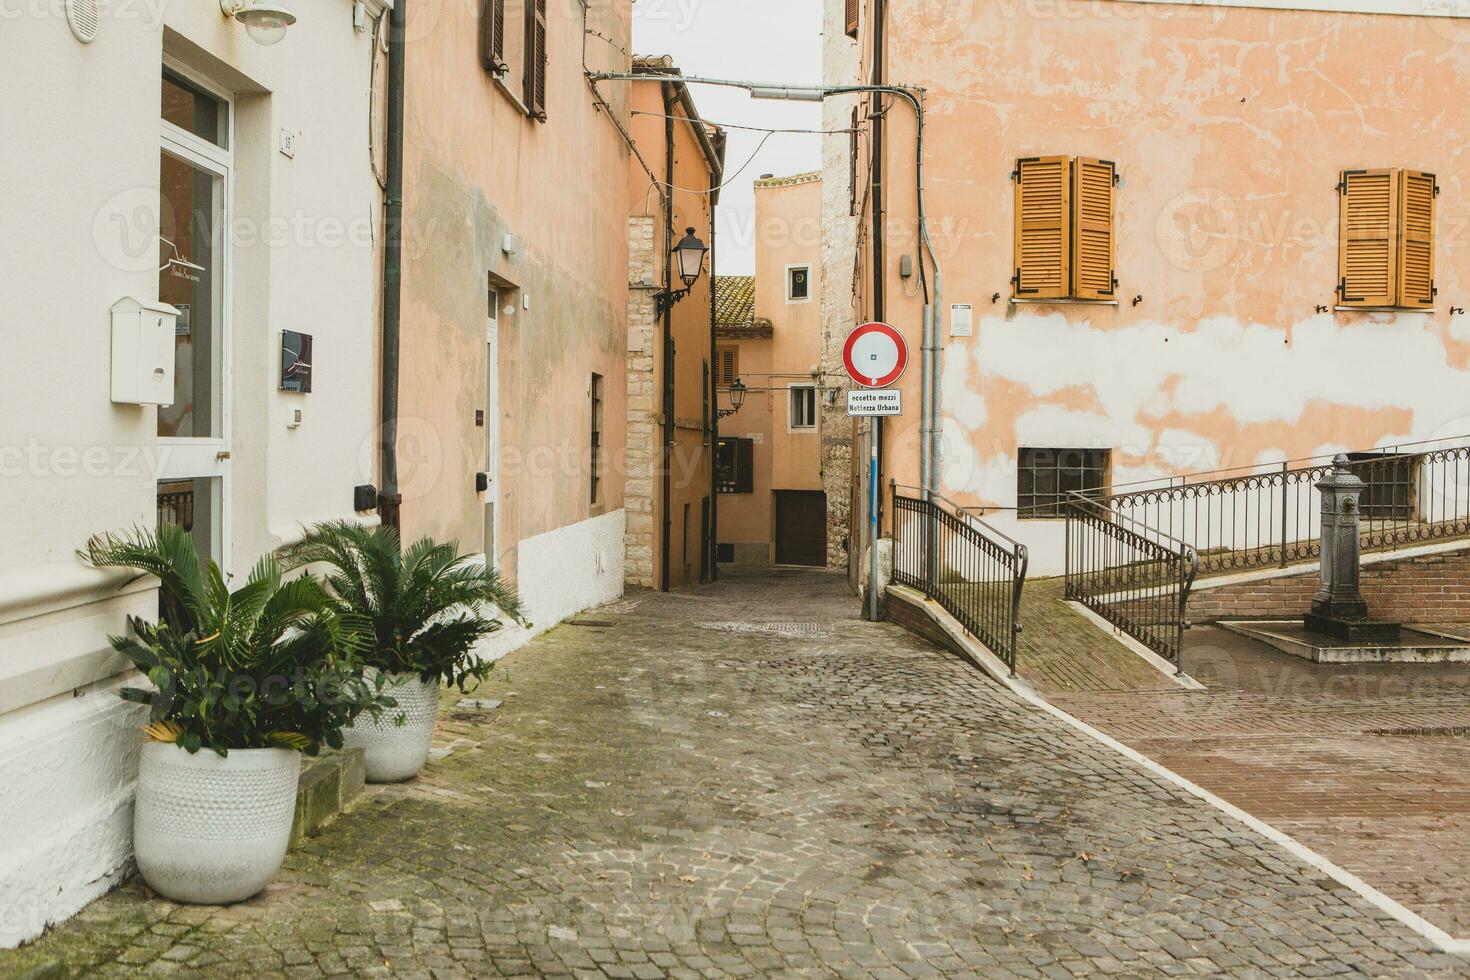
(875, 401)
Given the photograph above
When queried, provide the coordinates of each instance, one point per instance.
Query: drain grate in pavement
(778, 629)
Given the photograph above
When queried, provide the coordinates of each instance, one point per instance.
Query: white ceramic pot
(211, 830)
(393, 752)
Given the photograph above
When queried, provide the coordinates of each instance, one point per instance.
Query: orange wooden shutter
(1092, 238)
(1416, 239)
(1367, 271)
(852, 18)
(492, 35)
(534, 91)
(1043, 227)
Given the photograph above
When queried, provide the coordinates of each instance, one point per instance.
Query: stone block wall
(644, 415)
(1423, 589)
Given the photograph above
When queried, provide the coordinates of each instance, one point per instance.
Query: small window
(1046, 477)
(735, 466)
(1386, 253)
(850, 17)
(1064, 241)
(798, 284)
(194, 110)
(727, 365)
(596, 441)
(803, 406)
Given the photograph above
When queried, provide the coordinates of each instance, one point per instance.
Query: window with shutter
(852, 173)
(1092, 242)
(492, 36)
(534, 91)
(852, 17)
(1043, 227)
(1366, 267)
(1416, 250)
(727, 366)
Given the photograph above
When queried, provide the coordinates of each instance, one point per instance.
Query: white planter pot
(394, 752)
(209, 830)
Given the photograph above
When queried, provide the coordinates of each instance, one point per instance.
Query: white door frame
(491, 496)
(208, 458)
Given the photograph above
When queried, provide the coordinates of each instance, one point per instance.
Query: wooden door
(801, 527)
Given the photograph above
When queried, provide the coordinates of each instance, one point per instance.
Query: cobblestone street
(746, 779)
(1369, 765)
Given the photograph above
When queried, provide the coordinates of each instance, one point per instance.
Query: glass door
(193, 431)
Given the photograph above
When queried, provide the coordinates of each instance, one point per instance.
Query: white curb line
(1373, 896)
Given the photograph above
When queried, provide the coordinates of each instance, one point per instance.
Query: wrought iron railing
(1131, 575)
(973, 571)
(1242, 521)
(176, 506)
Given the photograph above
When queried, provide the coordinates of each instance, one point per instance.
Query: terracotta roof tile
(734, 300)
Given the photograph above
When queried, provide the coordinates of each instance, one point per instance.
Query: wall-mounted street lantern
(689, 253)
(737, 398)
(265, 22)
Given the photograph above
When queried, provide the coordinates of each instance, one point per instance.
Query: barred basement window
(1392, 485)
(1045, 477)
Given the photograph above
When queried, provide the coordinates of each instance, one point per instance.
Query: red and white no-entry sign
(875, 355)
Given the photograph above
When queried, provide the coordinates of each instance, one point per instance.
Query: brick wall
(1427, 589)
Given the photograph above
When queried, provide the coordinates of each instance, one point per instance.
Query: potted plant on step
(245, 681)
(427, 606)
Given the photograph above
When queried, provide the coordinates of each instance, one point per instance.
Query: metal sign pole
(875, 432)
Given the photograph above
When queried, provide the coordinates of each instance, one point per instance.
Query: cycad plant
(426, 605)
(273, 664)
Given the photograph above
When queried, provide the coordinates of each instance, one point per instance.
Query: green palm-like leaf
(272, 663)
(425, 606)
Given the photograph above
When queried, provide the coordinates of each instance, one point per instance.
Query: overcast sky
(764, 40)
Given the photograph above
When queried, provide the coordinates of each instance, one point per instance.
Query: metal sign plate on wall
(885, 401)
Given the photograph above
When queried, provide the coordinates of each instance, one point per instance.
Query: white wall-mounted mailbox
(143, 352)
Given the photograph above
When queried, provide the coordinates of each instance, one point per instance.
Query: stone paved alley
(746, 779)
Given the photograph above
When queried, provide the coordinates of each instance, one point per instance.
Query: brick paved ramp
(681, 794)
(1366, 764)
(1061, 651)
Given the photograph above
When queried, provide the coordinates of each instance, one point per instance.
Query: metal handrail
(975, 572)
(1395, 451)
(964, 509)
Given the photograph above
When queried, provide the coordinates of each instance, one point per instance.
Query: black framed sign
(295, 361)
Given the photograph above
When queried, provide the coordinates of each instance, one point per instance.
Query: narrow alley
(748, 779)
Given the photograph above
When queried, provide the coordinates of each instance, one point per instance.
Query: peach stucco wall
(788, 227)
(476, 170)
(1229, 126)
(691, 459)
(789, 220)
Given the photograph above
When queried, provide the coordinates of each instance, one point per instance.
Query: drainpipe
(668, 337)
(714, 402)
(875, 466)
(389, 498)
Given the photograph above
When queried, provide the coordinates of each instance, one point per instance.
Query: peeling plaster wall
(1230, 126)
(477, 170)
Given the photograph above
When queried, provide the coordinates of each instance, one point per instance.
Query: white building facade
(162, 158)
